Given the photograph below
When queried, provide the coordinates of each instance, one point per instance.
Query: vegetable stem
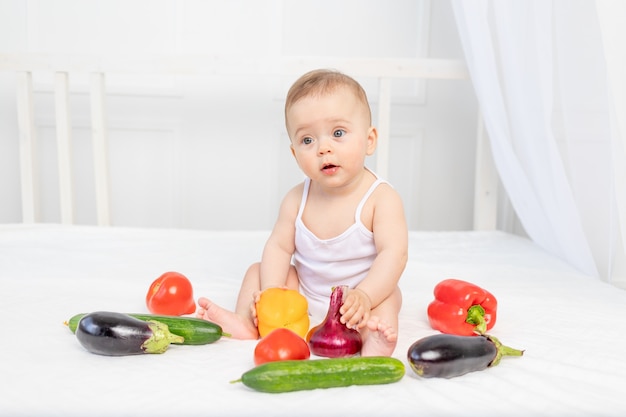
(161, 338)
(476, 316)
(502, 350)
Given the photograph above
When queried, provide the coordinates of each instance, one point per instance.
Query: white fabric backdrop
(540, 76)
(612, 14)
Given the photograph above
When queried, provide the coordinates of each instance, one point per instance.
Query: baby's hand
(355, 310)
(256, 296)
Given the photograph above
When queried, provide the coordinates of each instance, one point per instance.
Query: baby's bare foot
(380, 339)
(232, 323)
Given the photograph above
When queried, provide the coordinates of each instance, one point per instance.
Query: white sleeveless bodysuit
(325, 263)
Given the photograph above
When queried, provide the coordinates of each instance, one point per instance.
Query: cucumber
(297, 375)
(195, 331)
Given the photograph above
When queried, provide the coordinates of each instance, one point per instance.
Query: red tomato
(171, 294)
(281, 344)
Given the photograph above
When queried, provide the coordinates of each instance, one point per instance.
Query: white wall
(211, 152)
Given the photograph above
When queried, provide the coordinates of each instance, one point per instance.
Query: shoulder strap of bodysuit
(305, 194)
(357, 214)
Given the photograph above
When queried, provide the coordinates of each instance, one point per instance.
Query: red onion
(331, 338)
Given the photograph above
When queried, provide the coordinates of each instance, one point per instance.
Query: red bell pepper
(462, 308)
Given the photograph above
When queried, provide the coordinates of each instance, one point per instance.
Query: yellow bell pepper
(281, 307)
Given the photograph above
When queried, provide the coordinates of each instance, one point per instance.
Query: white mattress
(571, 326)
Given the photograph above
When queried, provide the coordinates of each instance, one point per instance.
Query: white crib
(570, 325)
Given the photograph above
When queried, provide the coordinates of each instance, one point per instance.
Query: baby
(341, 226)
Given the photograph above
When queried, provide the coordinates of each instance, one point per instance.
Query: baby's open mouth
(330, 169)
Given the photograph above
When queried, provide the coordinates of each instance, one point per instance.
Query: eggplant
(116, 334)
(448, 356)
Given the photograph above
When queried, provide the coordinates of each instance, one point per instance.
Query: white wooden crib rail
(385, 70)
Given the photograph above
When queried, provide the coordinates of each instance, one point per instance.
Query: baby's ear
(372, 140)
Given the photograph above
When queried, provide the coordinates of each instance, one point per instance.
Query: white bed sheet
(570, 325)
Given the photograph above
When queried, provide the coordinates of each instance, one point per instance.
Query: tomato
(282, 307)
(281, 344)
(171, 294)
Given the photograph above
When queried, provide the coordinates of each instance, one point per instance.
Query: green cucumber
(297, 375)
(195, 331)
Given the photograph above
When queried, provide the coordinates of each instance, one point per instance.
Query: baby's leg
(380, 334)
(240, 324)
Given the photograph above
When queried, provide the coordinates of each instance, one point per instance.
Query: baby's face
(331, 135)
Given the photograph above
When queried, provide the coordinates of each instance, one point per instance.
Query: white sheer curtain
(541, 78)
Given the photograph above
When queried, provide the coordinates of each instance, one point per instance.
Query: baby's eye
(307, 140)
(339, 133)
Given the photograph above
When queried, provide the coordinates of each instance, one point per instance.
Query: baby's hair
(324, 81)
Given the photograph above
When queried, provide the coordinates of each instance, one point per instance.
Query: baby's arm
(280, 246)
(391, 238)
(276, 259)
